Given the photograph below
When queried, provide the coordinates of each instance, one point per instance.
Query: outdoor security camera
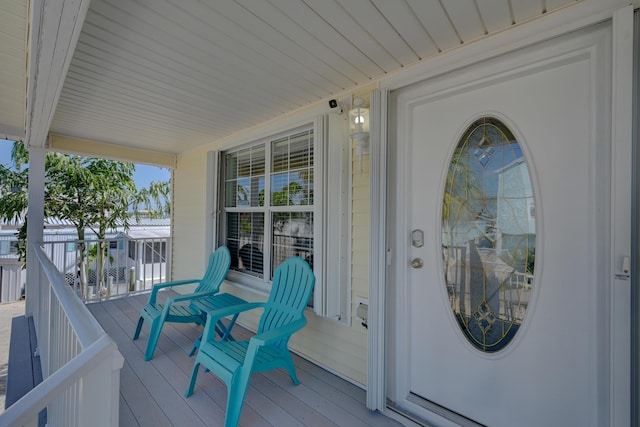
(335, 106)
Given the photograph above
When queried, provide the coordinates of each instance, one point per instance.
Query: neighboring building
(136, 257)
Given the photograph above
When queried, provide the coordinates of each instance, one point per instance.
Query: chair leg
(154, 335)
(290, 367)
(196, 346)
(138, 328)
(192, 383)
(225, 332)
(236, 395)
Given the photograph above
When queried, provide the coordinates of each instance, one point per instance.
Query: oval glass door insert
(488, 235)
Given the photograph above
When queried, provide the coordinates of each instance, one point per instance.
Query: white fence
(130, 265)
(80, 363)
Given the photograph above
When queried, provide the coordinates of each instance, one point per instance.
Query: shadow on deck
(151, 393)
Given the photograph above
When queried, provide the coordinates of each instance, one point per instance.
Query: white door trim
(376, 390)
(621, 142)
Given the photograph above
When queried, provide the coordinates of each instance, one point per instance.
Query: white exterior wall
(189, 216)
(340, 347)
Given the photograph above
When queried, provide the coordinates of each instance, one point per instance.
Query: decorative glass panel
(488, 235)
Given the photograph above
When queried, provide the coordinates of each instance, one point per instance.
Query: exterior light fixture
(359, 128)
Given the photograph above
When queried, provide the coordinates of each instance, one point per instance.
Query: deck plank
(152, 392)
(126, 415)
(163, 392)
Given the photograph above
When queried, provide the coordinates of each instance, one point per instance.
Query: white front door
(491, 331)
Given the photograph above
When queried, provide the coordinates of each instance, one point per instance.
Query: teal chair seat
(184, 308)
(283, 315)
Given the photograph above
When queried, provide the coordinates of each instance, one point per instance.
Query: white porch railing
(131, 265)
(80, 363)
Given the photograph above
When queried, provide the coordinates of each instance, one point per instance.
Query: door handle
(417, 263)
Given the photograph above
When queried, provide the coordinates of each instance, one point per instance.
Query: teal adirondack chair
(185, 308)
(235, 361)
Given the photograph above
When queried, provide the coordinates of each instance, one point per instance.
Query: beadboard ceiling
(171, 75)
(13, 65)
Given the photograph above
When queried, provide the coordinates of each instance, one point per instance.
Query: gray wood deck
(151, 393)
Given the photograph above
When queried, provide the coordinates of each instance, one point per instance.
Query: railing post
(101, 392)
(35, 226)
(168, 260)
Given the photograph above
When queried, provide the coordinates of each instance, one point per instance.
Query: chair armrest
(277, 334)
(157, 287)
(233, 309)
(189, 297)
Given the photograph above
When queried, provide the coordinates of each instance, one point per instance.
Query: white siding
(189, 215)
(339, 347)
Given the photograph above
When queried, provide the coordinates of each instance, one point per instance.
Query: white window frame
(330, 231)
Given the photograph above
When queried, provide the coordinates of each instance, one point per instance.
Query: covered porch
(152, 393)
(214, 91)
(94, 372)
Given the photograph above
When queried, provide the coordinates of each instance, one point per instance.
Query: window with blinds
(287, 195)
(269, 203)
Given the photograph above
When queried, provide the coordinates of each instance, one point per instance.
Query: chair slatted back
(219, 263)
(292, 285)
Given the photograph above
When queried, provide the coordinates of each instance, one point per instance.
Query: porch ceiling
(13, 57)
(171, 75)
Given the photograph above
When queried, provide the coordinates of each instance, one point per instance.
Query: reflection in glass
(488, 235)
(245, 240)
(244, 178)
(292, 170)
(292, 236)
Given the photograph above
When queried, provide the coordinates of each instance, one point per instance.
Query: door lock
(417, 238)
(417, 263)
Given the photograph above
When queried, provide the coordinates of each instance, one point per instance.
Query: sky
(142, 176)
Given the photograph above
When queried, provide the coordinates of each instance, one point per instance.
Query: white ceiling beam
(55, 28)
(88, 148)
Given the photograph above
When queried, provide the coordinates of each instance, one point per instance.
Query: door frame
(381, 254)
(635, 236)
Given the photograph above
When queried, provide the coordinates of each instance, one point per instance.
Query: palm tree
(94, 194)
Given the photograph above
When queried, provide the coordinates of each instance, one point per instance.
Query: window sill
(255, 286)
(249, 283)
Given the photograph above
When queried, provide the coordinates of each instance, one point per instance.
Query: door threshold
(406, 417)
(432, 407)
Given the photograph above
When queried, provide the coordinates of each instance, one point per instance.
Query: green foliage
(154, 199)
(13, 194)
(93, 193)
(292, 194)
(462, 191)
(90, 193)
